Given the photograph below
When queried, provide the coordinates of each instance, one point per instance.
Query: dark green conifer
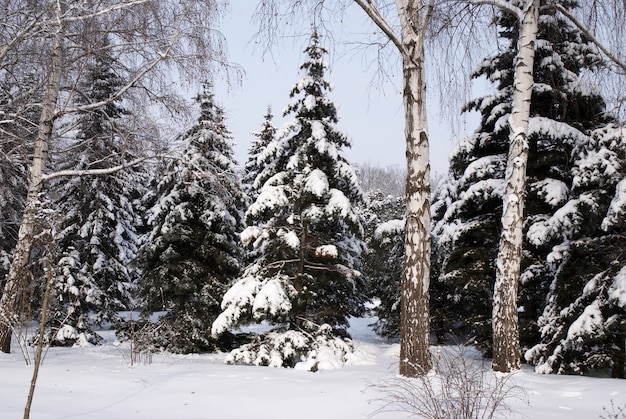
(192, 253)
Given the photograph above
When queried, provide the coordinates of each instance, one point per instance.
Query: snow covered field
(97, 382)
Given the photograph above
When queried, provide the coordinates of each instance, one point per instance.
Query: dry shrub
(460, 386)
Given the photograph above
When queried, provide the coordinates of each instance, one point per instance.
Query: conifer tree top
(313, 86)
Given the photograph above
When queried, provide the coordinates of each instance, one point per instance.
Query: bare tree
(389, 179)
(151, 40)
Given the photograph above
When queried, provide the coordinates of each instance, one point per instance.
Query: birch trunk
(16, 278)
(414, 16)
(506, 356)
(415, 310)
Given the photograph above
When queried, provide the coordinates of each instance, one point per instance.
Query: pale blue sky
(371, 115)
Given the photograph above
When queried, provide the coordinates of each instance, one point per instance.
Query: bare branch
(373, 13)
(502, 5)
(139, 76)
(107, 10)
(591, 36)
(428, 15)
(23, 34)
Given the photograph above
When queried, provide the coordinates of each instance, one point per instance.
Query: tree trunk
(619, 357)
(506, 353)
(42, 330)
(415, 311)
(16, 277)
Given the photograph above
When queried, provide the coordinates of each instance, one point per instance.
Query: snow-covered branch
(500, 4)
(94, 172)
(107, 10)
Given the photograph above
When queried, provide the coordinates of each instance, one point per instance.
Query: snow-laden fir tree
(467, 227)
(583, 326)
(192, 253)
(382, 263)
(254, 166)
(98, 236)
(305, 233)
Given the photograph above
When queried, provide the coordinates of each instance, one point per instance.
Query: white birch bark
(16, 276)
(506, 355)
(414, 18)
(415, 307)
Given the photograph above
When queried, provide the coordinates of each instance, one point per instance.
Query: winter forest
(128, 226)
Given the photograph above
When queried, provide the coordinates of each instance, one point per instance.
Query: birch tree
(150, 40)
(9, 300)
(414, 17)
(506, 356)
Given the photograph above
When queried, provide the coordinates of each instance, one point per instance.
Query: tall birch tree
(506, 355)
(149, 40)
(414, 17)
(10, 295)
(506, 352)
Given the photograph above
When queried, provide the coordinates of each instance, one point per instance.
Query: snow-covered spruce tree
(382, 263)
(98, 236)
(467, 227)
(192, 253)
(305, 233)
(251, 182)
(583, 326)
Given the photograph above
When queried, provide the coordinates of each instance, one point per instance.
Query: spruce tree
(304, 233)
(98, 237)
(254, 166)
(382, 264)
(192, 252)
(467, 227)
(583, 324)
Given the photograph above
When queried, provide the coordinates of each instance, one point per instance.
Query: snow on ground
(97, 382)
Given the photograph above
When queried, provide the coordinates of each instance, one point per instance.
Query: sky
(370, 113)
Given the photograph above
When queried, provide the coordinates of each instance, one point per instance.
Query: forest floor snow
(97, 382)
